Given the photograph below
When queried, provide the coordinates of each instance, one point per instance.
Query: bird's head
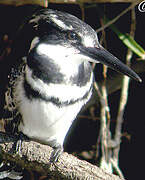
(61, 36)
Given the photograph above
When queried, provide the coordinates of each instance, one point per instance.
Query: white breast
(47, 122)
(43, 120)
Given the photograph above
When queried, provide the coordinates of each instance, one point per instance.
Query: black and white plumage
(52, 78)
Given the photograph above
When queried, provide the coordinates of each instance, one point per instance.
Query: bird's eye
(72, 35)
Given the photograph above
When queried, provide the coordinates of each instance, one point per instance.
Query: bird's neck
(59, 71)
(75, 88)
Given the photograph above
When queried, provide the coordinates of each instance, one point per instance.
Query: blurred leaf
(128, 41)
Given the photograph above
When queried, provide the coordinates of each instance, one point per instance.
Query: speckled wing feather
(10, 116)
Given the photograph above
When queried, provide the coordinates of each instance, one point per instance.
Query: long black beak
(100, 55)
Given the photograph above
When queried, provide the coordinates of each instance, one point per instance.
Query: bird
(52, 77)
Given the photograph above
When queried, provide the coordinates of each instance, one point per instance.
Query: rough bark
(35, 156)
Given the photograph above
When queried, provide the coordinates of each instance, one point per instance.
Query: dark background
(85, 132)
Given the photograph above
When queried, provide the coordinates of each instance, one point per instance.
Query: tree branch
(35, 156)
(124, 96)
(117, 17)
(43, 3)
(114, 83)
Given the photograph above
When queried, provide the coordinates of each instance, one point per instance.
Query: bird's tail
(9, 170)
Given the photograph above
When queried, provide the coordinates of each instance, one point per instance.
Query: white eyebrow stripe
(60, 23)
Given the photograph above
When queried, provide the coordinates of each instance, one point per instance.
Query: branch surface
(35, 156)
(43, 3)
